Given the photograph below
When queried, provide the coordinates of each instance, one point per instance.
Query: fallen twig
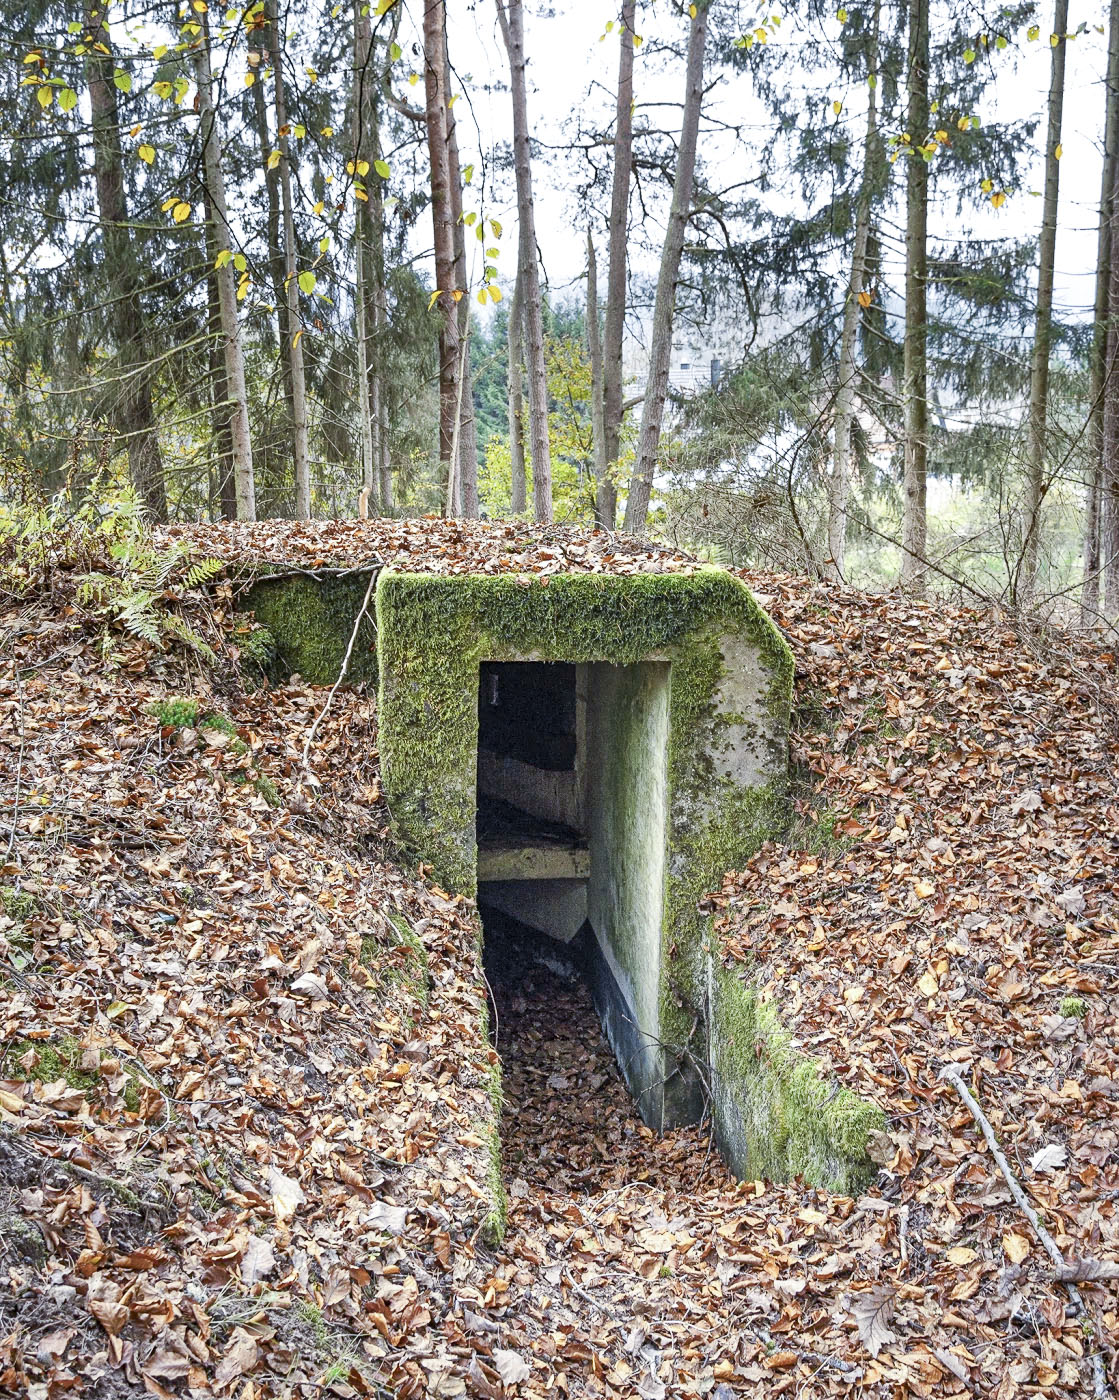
(953, 1074)
(345, 667)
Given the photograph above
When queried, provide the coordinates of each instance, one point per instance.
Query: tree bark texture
(442, 213)
(660, 352)
(133, 414)
(1100, 387)
(839, 484)
(614, 328)
(293, 349)
(519, 496)
(915, 350)
(364, 328)
(467, 425)
(226, 495)
(233, 351)
(1036, 483)
(1109, 504)
(594, 350)
(511, 18)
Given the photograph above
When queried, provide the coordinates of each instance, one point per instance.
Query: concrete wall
(627, 811)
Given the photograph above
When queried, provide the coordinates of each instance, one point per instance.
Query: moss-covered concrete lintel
(776, 1114)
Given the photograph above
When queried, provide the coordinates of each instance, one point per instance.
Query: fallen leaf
(511, 1366)
(873, 1310)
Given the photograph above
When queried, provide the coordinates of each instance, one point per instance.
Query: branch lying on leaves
(1066, 1273)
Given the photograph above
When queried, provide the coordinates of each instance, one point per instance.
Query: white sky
(571, 70)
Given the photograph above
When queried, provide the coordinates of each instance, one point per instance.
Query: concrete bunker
(589, 754)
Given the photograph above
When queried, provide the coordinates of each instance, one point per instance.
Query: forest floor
(245, 1080)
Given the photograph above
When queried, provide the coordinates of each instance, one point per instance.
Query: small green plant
(59, 1060)
(175, 714)
(1074, 1008)
(18, 905)
(257, 647)
(313, 1317)
(222, 724)
(665, 1271)
(267, 789)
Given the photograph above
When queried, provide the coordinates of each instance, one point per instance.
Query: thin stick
(19, 766)
(345, 667)
(954, 1075)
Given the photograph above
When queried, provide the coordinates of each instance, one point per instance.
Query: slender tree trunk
(519, 503)
(594, 349)
(133, 415)
(915, 357)
(293, 349)
(442, 212)
(1109, 524)
(614, 329)
(511, 18)
(227, 292)
(839, 485)
(664, 308)
(364, 323)
(219, 388)
(467, 466)
(1036, 484)
(379, 300)
(1099, 387)
(273, 222)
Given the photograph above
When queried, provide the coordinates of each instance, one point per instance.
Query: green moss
(175, 714)
(497, 1217)
(781, 1117)
(59, 1059)
(310, 622)
(1074, 1008)
(266, 788)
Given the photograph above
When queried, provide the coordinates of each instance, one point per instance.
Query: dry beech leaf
(873, 1310)
(1015, 1246)
(511, 1366)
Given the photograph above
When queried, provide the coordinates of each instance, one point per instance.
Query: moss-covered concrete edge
(777, 1114)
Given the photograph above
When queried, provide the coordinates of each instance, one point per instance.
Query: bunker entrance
(571, 830)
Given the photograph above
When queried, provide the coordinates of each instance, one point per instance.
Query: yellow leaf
(998, 199)
(413, 79)
(924, 888)
(295, 338)
(457, 294)
(11, 1103)
(45, 94)
(319, 207)
(181, 211)
(837, 107)
(482, 298)
(1054, 40)
(929, 985)
(963, 124)
(1016, 1246)
(434, 298)
(169, 204)
(865, 299)
(987, 186)
(146, 154)
(941, 136)
(495, 294)
(250, 78)
(273, 160)
(1058, 152)
(961, 1254)
(692, 11)
(363, 168)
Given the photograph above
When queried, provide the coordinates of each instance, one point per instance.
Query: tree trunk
(1109, 505)
(442, 213)
(364, 323)
(272, 224)
(660, 353)
(598, 406)
(839, 485)
(518, 502)
(467, 460)
(293, 349)
(134, 416)
(915, 365)
(227, 293)
(511, 19)
(613, 331)
(219, 388)
(1025, 583)
(1099, 387)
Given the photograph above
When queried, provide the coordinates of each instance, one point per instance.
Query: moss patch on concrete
(309, 622)
(777, 1114)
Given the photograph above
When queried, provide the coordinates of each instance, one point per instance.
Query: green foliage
(175, 714)
(1074, 1008)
